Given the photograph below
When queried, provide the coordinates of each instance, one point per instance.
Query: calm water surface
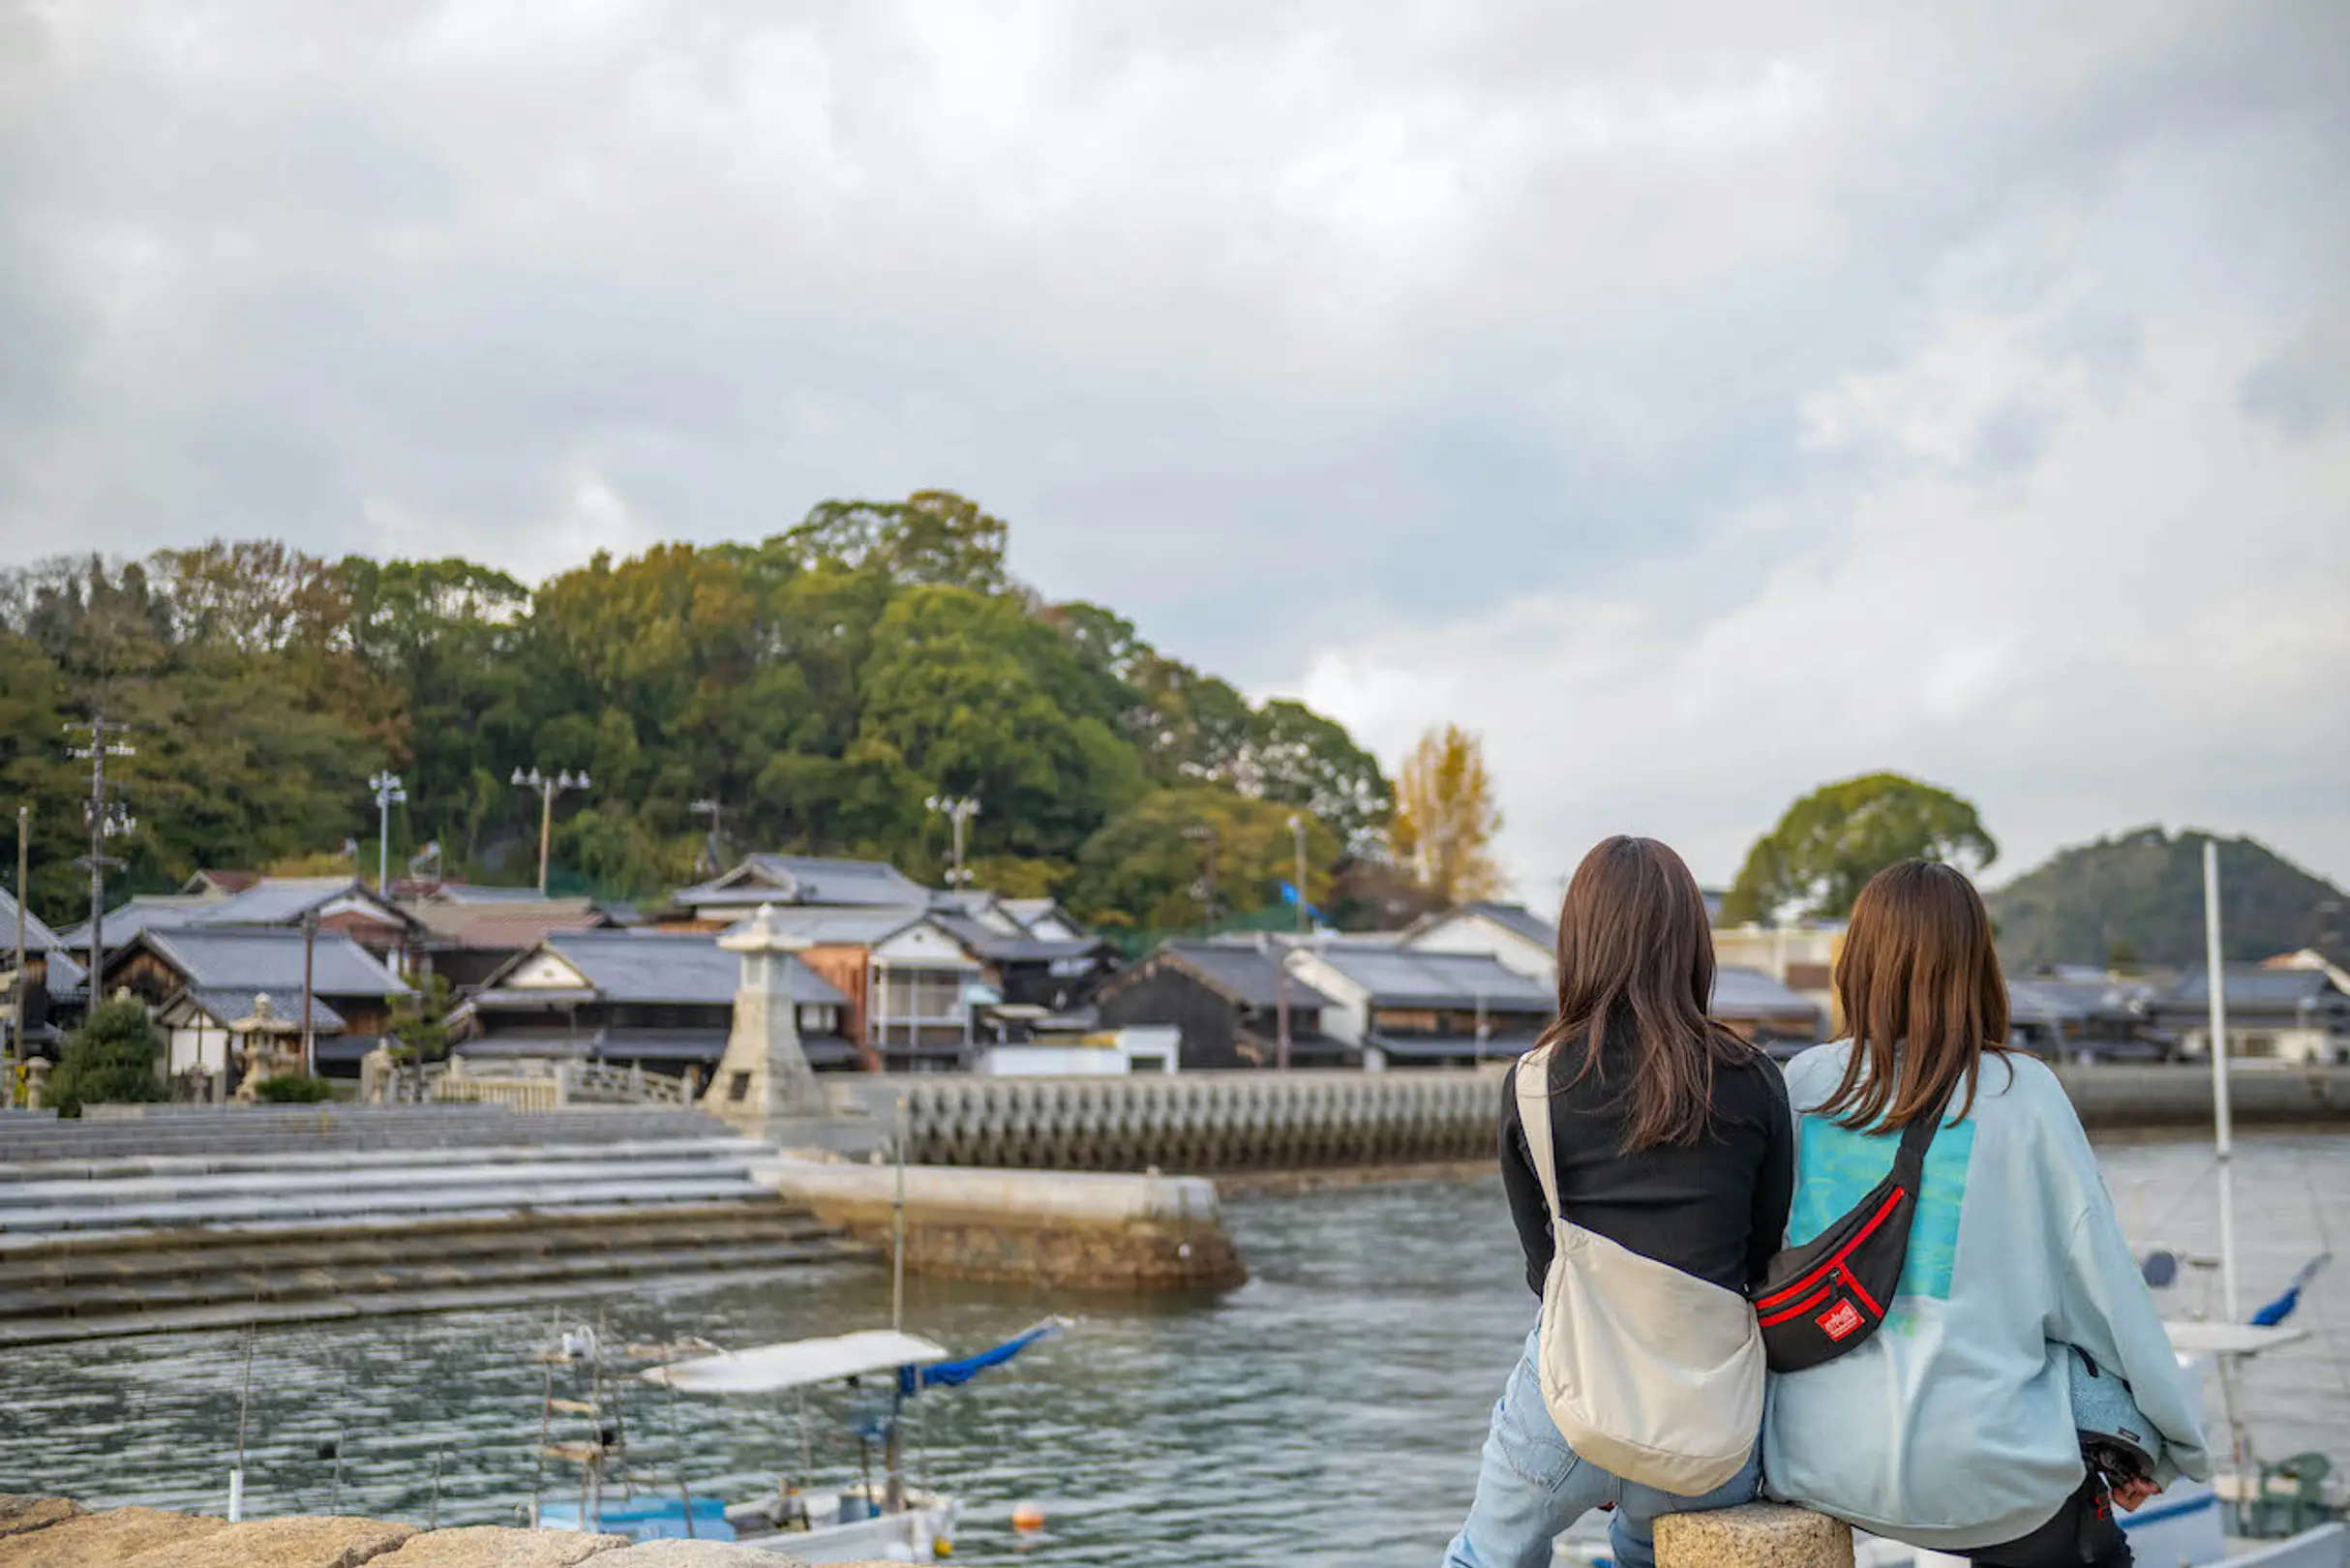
(1330, 1410)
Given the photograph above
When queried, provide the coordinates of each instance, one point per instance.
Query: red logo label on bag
(1840, 1321)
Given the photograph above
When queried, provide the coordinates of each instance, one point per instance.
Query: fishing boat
(865, 1517)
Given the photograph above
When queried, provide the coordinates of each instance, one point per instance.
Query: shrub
(293, 1089)
(111, 1059)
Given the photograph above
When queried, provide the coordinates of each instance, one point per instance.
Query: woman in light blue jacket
(1952, 1427)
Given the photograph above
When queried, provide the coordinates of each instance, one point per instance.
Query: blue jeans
(1532, 1486)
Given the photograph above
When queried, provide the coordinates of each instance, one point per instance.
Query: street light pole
(547, 789)
(389, 791)
(958, 809)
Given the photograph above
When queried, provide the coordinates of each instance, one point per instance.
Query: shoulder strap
(1532, 1077)
(1910, 1160)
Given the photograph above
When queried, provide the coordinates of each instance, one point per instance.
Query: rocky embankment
(56, 1532)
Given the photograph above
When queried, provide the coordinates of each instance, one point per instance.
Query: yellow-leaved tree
(1446, 819)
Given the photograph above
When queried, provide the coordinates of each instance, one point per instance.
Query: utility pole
(389, 791)
(1205, 833)
(547, 789)
(1297, 838)
(717, 813)
(107, 819)
(957, 809)
(16, 1045)
(1297, 835)
(310, 954)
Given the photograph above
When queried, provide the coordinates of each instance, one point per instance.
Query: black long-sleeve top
(1716, 1209)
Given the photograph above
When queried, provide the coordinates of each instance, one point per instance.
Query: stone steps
(390, 1159)
(165, 1254)
(113, 1240)
(553, 1196)
(224, 1131)
(86, 1297)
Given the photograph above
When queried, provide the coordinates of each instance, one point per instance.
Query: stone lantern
(764, 1078)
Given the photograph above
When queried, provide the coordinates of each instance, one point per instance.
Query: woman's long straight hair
(1922, 996)
(1635, 948)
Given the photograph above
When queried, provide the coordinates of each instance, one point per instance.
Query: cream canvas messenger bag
(1652, 1374)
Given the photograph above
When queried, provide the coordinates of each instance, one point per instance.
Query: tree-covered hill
(2138, 897)
(820, 686)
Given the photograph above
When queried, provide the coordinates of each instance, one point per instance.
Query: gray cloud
(1279, 330)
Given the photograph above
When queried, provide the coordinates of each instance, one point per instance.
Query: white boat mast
(2224, 1127)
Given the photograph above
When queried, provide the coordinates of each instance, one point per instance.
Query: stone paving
(56, 1533)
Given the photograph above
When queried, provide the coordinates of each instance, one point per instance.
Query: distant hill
(2140, 895)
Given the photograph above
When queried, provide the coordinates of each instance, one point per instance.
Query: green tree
(1146, 868)
(975, 697)
(420, 1020)
(933, 536)
(2138, 897)
(1825, 848)
(113, 1058)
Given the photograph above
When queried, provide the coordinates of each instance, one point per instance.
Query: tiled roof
(1249, 974)
(269, 958)
(807, 878)
(285, 900)
(1406, 977)
(226, 1005)
(478, 893)
(1518, 918)
(504, 926)
(144, 912)
(38, 937)
(2257, 987)
(853, 927)
(684, 967)
(1453, 1047)
(988, 942)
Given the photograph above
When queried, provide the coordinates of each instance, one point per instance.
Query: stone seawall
(1070, 1230)
(56, 1532)
(1233, 1123)
(1205, 1123)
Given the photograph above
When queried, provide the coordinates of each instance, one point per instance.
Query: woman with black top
(1671, 1139)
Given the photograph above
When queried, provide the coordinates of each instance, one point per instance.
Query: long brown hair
(1635, 945)
(1922, 995)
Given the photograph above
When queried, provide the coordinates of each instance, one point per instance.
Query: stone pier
(1071, 1231)
(56, 1532)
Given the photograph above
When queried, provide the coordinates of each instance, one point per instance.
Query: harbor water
(1330, 1410)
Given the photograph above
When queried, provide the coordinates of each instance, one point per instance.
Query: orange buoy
(1026, 1515)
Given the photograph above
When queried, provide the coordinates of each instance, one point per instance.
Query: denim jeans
(1532, 1486)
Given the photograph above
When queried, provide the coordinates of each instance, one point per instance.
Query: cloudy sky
(1701, 400)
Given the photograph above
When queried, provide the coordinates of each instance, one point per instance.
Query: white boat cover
(2209, 1339)
(795, 1363)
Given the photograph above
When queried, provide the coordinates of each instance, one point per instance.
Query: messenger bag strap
(1532, 1077)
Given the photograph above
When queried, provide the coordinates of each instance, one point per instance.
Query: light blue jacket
(1952, 1428)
